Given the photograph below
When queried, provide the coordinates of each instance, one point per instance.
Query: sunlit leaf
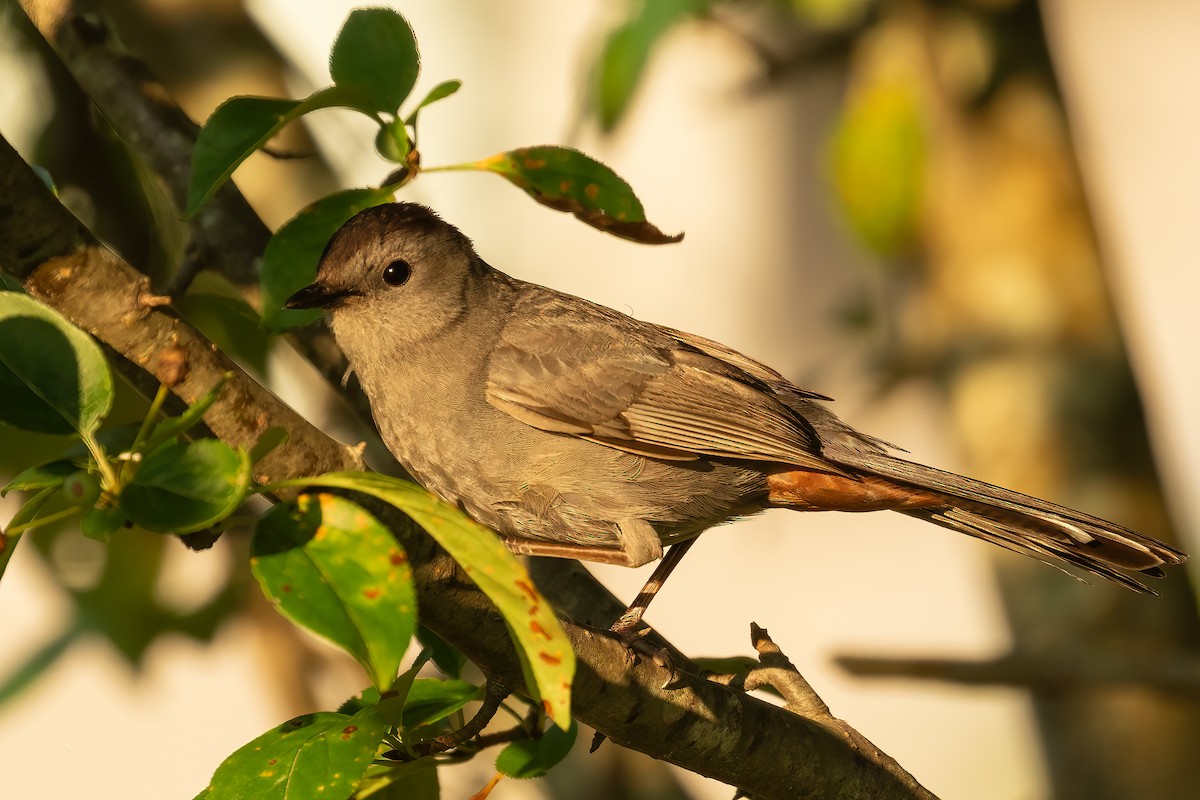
(186, 486)
(315, 755)
(567, 180)
(290, 260)
(53, 376)
(546, 656)
(329, 566)
(439, 92)
(376, 53)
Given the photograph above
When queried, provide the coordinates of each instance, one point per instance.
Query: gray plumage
(573, 429)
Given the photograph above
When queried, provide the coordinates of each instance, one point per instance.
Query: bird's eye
(397, 273)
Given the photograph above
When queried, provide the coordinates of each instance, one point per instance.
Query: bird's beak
(316, 296)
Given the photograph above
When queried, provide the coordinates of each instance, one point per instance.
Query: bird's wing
(576, 368)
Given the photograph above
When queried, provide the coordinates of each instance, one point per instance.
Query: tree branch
(1174, 674)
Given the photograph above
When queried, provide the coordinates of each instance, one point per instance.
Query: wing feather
(589, 371)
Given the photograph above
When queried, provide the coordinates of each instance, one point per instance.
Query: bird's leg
(625, 625)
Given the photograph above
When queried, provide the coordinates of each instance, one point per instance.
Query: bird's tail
(1015, 521)
(1027, 524)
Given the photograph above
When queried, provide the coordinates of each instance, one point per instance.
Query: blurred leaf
(170, 428)
(25, 514)
(53, 376)
(432, 699)
(101, 523)
(376, 54)
(186, 486)
(268, 440)
(825, 14)
(38, 664)
(42, 476)
(877, 161)
(533, 758)
(546, 656)
(241, 125)
(315, 755)
(439, 92)
(567, 180)
(331, 567)
(290, 260)
(446, 657)
(627, 49)
(230, 322)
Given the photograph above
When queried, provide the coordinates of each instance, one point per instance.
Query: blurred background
(976, 223)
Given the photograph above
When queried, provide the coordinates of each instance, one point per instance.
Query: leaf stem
(156, 405)
(39, 522)
(108, 475)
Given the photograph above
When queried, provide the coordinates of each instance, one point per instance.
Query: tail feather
(1026, 524)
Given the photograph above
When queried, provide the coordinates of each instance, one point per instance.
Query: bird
(574, 430)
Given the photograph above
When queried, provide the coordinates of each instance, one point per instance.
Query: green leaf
(446, 657)
(546, 656)
(331, 567)
(533, 758)
(627, 49)
(186, 486)
(25, 514)
(567, 180)
(439, 92)
(240, 126)
(412, 780)
(43, 476)
(315, 755)
(376, 55)
(392, 142)
(102, 523)
(268, 440)
(168, 429)
(290, 260)
(39, 663)
(228, 321)
(53, 376)
(432, 699)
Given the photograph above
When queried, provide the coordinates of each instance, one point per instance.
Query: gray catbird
(575, 430)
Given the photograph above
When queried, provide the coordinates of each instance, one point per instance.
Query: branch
(141, 111)
(1170, 673)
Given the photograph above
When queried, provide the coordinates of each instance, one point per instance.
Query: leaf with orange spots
(331, 567)
(547, 660)
(314, 755)
(567, 180)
